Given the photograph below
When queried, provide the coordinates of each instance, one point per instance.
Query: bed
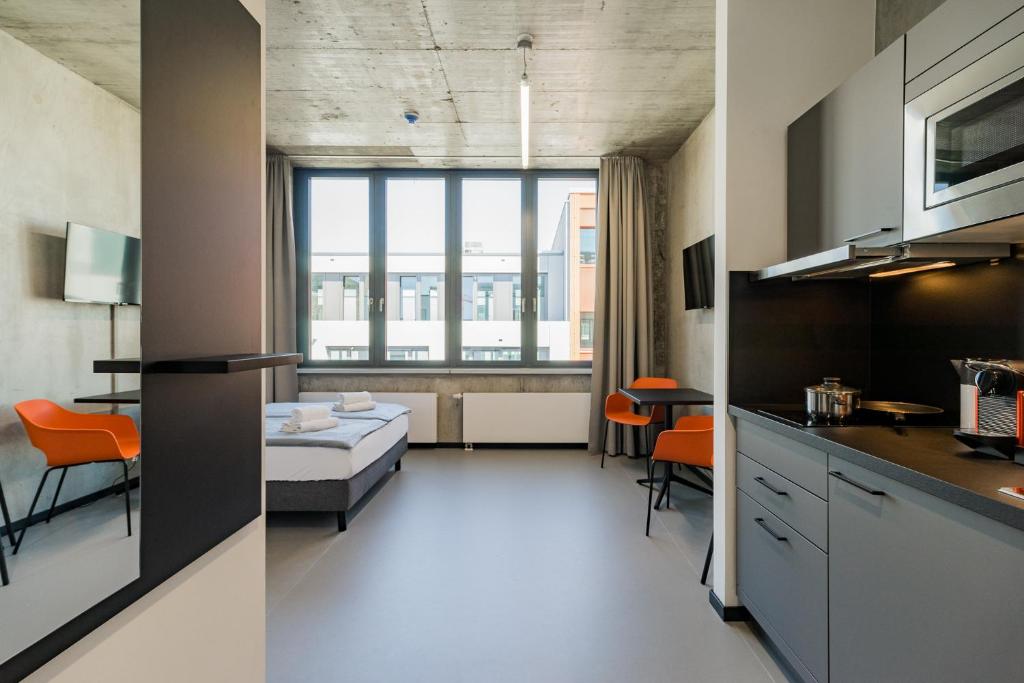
(330, 471)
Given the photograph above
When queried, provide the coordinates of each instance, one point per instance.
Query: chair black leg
(664, 484)
(342, 521)
(4, 578)
(604, 442)
(636, 442)
(127, 497)
(707, 561)
(6, 516)
(31, 509)
(60, 483)
(650, 500)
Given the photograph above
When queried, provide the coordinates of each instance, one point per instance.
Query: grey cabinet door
(919, 589)
(845, 162)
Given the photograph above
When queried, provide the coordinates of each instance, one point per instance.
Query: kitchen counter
(926, 458)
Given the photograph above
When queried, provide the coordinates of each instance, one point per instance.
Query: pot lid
(832, 385)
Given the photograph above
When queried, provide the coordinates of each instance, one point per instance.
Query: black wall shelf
(131, 397)
(118, 365)
(239, 362)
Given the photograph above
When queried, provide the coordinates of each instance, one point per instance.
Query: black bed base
(333, 495)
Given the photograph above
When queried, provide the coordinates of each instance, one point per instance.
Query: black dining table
(668, 399)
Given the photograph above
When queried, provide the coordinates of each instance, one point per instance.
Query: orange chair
(619, 409)
(690, 444)
(69, 439)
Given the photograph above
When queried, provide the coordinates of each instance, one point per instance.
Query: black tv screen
(699, 274)
(101, 267)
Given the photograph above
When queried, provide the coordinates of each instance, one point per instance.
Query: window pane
(415, 269)
(566, 259)
(492, 287)
(340, 265)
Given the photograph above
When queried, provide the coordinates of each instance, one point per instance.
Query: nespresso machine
(992, 406)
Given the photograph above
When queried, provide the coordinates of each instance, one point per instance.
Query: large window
(443, 268)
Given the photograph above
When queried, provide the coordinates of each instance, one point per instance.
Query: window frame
(377, 279)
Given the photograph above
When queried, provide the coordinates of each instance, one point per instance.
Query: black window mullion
(303, 262)
(378, 267)
(529, 270)
(453, 266)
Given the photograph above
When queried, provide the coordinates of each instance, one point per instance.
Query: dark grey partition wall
(201, 209)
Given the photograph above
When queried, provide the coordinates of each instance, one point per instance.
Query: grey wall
(68, 151)
(449, 410)
(690, 218)
(893, 18)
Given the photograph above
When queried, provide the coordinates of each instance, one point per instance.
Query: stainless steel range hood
(850, 261)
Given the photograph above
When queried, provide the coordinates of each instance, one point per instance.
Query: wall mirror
(70, 451)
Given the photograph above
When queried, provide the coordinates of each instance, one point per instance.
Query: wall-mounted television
(699, 274)
(102, 267)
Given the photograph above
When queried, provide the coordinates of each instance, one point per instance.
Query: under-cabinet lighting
(914, 269)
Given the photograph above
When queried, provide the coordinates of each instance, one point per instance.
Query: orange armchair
(690, 444)
(70, 439)
(619, 409)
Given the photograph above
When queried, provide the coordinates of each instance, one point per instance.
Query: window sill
(445, 371)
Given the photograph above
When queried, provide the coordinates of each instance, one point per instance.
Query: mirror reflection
(70, 449)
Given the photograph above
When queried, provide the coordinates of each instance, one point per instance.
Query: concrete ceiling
(97, 39)
(607, 76)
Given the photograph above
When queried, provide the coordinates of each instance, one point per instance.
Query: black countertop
(926, 458)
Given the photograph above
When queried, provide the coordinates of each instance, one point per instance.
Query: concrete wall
(69, 151)
(449, 409)
(207, 623)
(690, 217)
(773, 61)
(893, 18)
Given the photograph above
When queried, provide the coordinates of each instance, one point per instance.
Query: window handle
(534, 304)
(522, 304)
(380, 304)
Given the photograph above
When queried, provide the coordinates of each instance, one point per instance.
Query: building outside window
(408, 353)
(587, 330)
(348, 352)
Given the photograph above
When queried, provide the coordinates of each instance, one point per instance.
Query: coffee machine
(992, 406)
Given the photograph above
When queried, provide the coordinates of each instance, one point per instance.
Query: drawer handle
(761, 523)
(762, 482)
(863, 487)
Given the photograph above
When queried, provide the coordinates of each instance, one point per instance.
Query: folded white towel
(354, 407)
(309, 426)
(350, 397)
(309, 413)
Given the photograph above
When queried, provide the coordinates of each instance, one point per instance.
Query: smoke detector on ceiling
(411, 117)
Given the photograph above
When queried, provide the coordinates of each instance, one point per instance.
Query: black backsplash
(891, 337)
(919, 322)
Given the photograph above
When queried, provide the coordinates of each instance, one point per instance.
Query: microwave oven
(964, 151)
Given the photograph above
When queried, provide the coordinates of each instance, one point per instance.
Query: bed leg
(342, 522)
(398, 465)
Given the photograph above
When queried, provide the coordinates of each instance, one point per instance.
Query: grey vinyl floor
(502, 565)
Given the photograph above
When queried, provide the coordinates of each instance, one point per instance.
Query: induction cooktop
(796, 416)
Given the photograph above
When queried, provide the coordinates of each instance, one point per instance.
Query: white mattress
(316, 463)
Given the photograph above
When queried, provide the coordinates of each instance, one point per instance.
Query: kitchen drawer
(794, 505)
(785, 581)
(801, 464)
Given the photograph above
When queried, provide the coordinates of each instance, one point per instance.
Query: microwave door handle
(872, 233)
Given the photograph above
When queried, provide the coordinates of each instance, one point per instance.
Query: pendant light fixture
(525, 42)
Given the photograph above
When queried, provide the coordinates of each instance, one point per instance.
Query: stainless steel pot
(830, 400)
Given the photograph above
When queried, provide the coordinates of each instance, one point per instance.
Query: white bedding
(317, 463)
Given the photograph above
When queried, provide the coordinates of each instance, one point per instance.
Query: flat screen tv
(102, 267)
(699, 274)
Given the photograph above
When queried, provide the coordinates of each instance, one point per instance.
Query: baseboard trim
(730, 613)
(515, 446)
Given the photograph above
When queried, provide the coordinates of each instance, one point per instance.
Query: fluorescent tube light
(524, 119)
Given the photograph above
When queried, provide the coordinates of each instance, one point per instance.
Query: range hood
(851, 261)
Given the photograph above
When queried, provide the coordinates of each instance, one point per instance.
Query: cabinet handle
(872, 233)
(761, 523)
(762, 482)
(856, 484)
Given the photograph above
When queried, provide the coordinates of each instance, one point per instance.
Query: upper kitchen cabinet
(949, 29)
(845, 161)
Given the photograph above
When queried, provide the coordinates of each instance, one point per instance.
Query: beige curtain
(622, 336)
(283, 382)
